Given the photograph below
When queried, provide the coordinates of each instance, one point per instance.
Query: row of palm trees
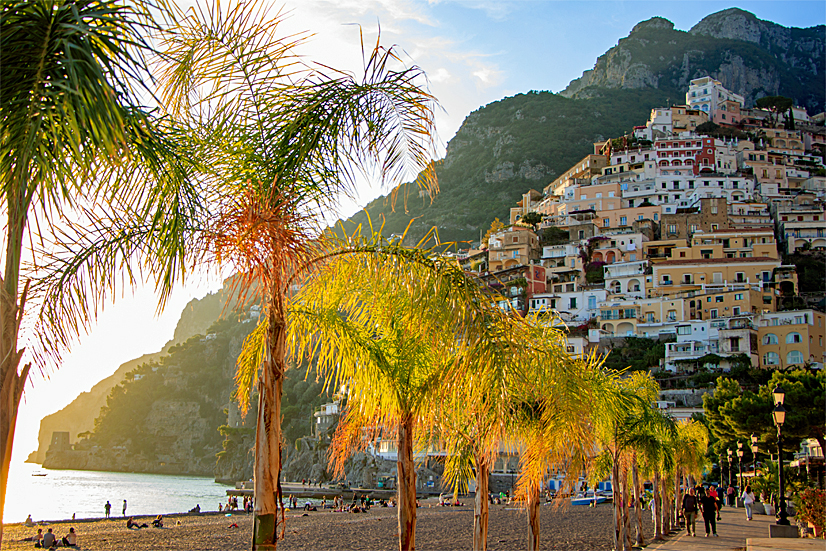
(427, 356)
(243, 147)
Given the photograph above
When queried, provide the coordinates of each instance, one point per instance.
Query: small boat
(39, 474)
(588, 499)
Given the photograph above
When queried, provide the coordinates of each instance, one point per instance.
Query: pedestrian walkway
(735, 533)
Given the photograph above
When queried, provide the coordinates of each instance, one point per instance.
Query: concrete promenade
(735, 533)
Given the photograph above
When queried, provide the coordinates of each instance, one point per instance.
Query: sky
(474, 52)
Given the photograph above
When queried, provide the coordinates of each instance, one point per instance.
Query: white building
(707, 95)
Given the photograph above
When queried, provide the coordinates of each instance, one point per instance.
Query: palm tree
(100, 175)
(394, 324)
(556, 415)
(283, 142)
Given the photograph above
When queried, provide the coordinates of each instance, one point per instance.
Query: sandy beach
(575, 528)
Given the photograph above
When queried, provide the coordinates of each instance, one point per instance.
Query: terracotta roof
(681, 261)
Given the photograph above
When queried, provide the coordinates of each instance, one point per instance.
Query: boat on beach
(589, 498)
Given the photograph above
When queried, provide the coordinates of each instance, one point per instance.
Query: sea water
(61, 494)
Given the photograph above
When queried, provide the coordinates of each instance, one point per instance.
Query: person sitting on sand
(158, 522)
(37, 538)
(196, 509)
(130, 523)
(70, 539)
(49, 539)
(29, 522)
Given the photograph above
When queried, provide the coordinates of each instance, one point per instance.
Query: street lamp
(722, 483)
(754, 454)
(779, 415)
(730, 457)
(740, 462)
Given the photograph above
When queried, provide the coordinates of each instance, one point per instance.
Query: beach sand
(574, 528)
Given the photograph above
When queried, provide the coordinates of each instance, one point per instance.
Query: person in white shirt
(748, 499)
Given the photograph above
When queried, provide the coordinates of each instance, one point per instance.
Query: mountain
(510, 146)
(79, 416)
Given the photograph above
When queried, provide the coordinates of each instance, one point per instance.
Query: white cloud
(441, 75)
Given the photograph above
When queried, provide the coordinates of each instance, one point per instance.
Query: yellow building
(529, 203)
(792, 338)
(684, 274)
(516, 246)
(580, 173)
(742, 243)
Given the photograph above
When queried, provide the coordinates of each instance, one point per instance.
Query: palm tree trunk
(639, 541)
(407, 486)
(617, 502)
(626, 532)
(656, 509)
(678, 499)
(480, 510)
(533, 520)
(268, 433)
(11, 315)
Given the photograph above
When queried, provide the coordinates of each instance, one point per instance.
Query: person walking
(690, 512)
(712, 492)
(107, 508)
(124, 507)
(708, 505)
(731, 492)
(748, 500)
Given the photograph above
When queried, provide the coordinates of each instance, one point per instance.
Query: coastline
(572, 528)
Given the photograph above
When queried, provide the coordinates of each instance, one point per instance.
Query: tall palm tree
(394, 324)
(283, 141)
(556, 416)
(91, 175)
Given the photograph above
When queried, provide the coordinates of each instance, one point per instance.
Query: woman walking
(748, 500)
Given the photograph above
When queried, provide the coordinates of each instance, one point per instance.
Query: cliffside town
(678, 230)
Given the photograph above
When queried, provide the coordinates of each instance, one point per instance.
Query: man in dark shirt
(690, 511)
(49, 539)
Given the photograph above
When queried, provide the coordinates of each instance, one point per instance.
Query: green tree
(283, 142)
(776, 104)
(98, 171)
(532, 219)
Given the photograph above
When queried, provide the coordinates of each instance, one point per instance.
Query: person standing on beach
(124, 507)
(107, 509)
(690, 512)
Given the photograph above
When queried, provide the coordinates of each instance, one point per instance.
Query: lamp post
(779, 415)
(740, 463)
(729, 496)
(722, 482)
(754, 455)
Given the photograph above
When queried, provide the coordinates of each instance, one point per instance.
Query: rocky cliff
(752, 57)
(504, 149)
(79, 416)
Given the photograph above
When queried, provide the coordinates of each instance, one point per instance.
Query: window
(573, 303)
(656, 216)
(738, 296)
(606, 222)
(684, 330)
(718, 298)
(592, 302)
(770, 338)
(714, 313)
(735, 311)
(694, 228)
(610, 194)
(623, 221)
(714, 209)
(740, 277)
(716, 277)
(672, 228)
(771, 358)
(570, 349)
(792, 338)
(582, 234)
(794, 357)
(767, 276)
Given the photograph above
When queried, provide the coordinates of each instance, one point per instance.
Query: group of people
(703, 500)
(232, 504)
(50, 541)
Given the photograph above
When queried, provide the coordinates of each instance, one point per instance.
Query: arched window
(770, 338)
(792, 338)
(771, 358)
(794, 357)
